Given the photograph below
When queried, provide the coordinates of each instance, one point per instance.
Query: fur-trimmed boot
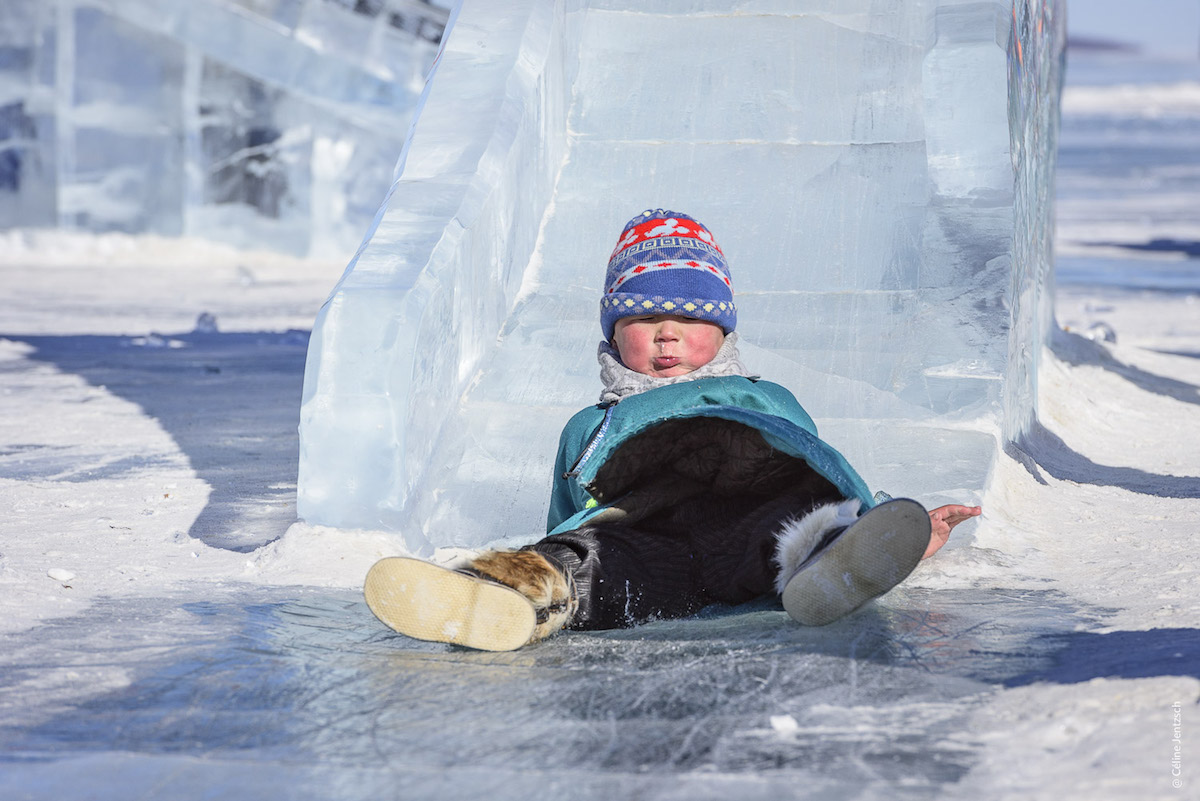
(831, 561)
(498, 601)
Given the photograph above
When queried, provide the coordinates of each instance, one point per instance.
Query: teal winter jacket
(614, 459)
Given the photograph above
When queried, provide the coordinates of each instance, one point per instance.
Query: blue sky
(1163, 27)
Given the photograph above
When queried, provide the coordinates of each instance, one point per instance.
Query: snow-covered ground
(168, 631)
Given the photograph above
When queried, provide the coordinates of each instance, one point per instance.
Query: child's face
(665, 345)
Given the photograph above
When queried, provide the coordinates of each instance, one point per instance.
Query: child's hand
(945, 518)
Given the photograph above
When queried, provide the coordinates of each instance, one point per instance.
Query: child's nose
(667, 330)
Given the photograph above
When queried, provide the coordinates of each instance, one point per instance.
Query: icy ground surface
(229, 690)
(193, 642)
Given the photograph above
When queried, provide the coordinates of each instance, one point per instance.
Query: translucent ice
(856, 164)
(265, 123)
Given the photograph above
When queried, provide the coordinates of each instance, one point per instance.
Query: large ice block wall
(1035, 81)
(265, 123)
(855, 159)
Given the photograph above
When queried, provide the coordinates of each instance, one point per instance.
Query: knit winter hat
(667, 263)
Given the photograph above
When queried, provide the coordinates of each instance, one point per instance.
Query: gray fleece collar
(621, 382)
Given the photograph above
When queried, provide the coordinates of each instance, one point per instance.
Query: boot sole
(428, 602)
(877, 552)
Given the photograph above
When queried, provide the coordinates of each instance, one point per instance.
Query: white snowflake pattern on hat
(669, 226)
(625, 242)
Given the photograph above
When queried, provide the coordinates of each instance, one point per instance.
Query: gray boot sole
(428, 602)
(877, 552)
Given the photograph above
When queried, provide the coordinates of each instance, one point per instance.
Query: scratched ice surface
(856, 163)
(270, 694)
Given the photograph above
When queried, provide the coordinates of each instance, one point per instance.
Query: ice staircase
(877, 172)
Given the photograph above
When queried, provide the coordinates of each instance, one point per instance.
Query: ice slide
(878, 172)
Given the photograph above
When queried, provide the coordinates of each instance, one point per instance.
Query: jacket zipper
(593, 443)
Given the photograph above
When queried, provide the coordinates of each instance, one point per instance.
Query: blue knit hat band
(628, 304)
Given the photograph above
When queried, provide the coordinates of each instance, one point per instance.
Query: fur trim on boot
(548, 588)
(801, 537)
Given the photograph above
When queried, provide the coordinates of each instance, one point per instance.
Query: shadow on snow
(231, 402)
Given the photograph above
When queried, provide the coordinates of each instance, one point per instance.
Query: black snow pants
(703, 549)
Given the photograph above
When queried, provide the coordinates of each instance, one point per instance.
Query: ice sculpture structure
(878, 174)
(265, 123)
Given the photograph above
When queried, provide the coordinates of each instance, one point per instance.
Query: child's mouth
(665, 362)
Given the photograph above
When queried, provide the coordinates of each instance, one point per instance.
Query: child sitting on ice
(691, 482)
